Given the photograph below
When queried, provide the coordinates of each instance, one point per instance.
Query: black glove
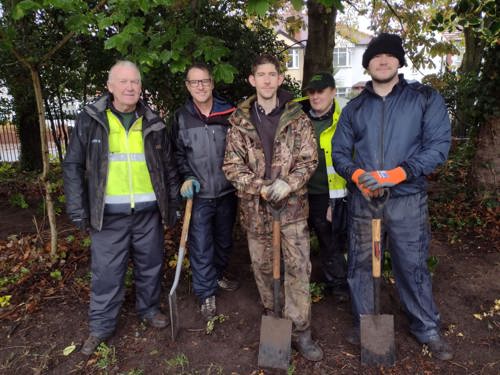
(82, 224)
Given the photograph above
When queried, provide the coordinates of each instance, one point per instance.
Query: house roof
(355, 36)
(290, 39)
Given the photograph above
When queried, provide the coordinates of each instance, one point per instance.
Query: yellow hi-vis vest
(128, 180)
(336, 184)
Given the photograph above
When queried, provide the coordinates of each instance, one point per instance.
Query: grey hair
(125, 63)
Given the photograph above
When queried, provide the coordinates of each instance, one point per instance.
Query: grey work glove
(278, 190)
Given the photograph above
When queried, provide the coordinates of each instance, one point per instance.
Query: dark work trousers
(210, 241)
(140, 236)
(331, 237)
(405, 221)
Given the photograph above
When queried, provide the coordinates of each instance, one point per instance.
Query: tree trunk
(26, 121)
(486, 164)
(321, 40)
(49, 203)
(469, 70)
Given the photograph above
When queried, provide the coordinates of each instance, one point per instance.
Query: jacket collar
(397, 87)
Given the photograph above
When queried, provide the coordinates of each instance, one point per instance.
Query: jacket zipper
(382, 135)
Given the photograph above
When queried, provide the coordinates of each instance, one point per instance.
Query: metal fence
(58, 131)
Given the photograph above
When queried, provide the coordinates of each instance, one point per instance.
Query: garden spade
(172, 296)
(275, 346)
(377, 330)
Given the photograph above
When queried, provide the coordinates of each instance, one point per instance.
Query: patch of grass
(317, 291)
(5, 281)
(180, 363)
(135, 371)
(18, 200)
(86, 242)
(211, 323)
(106, 356)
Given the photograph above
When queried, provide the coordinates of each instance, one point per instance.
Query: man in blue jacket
(199, 132)
(391, 137)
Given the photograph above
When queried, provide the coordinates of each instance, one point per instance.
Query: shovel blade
(275, 348)
(377, 340)
(174, 314)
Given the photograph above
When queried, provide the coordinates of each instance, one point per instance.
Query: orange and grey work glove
(382, 179)
(356, 178)
(275, 192)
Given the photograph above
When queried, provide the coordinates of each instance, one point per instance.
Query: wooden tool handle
(376, 248)
(185, 224)
(276, 249)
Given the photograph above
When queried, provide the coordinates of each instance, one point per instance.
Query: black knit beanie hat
(385, 43)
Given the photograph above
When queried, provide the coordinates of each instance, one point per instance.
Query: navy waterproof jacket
(200, 144)
(410, 127)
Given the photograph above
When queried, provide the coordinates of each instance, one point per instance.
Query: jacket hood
(97, 109)
(243, 111)
(220, 106)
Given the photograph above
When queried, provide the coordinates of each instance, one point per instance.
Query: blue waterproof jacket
(410, 127)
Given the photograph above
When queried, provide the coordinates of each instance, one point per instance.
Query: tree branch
(68, 36)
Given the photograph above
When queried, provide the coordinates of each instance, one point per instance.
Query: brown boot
(304, 344)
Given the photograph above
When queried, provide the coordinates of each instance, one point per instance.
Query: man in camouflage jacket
(270, 155)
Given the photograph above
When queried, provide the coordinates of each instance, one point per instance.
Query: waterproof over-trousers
(140, 236)
(331, 237)
(210, 241)
(295, 253)
(405, 221)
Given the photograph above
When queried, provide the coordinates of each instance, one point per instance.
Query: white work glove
(277, 191)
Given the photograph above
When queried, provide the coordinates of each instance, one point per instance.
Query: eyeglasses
(195, 82)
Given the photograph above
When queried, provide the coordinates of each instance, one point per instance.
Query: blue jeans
(405, 221)
(210, 241)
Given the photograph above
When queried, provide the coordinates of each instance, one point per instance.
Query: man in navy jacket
(391, 137)
(199, 132)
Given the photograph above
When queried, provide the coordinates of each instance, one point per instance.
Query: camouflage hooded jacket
(295, 158)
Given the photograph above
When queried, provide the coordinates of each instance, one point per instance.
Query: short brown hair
(265, 59)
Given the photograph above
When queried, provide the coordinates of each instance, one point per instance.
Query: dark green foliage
(166, 87)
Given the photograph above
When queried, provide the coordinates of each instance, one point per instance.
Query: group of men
(315, 164)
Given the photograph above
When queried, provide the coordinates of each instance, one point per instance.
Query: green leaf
(257, 7)
(214, 53)
(69, 349)
(297, 4)
(224, 72)
(66, 5)
(24, 7)
(165, 56)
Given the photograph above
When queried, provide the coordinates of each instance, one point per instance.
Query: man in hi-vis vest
(326, 189)
(121, 183)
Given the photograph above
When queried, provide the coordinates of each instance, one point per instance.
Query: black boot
(303, 343)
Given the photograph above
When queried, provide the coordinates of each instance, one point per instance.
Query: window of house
(342, 91)
(293, 58)
(341, 56)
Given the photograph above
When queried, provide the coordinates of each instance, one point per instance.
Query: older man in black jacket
(120, 182)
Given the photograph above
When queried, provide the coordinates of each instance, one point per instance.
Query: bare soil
(46, 315)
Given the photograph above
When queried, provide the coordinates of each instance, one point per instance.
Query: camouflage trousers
(295, 254)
